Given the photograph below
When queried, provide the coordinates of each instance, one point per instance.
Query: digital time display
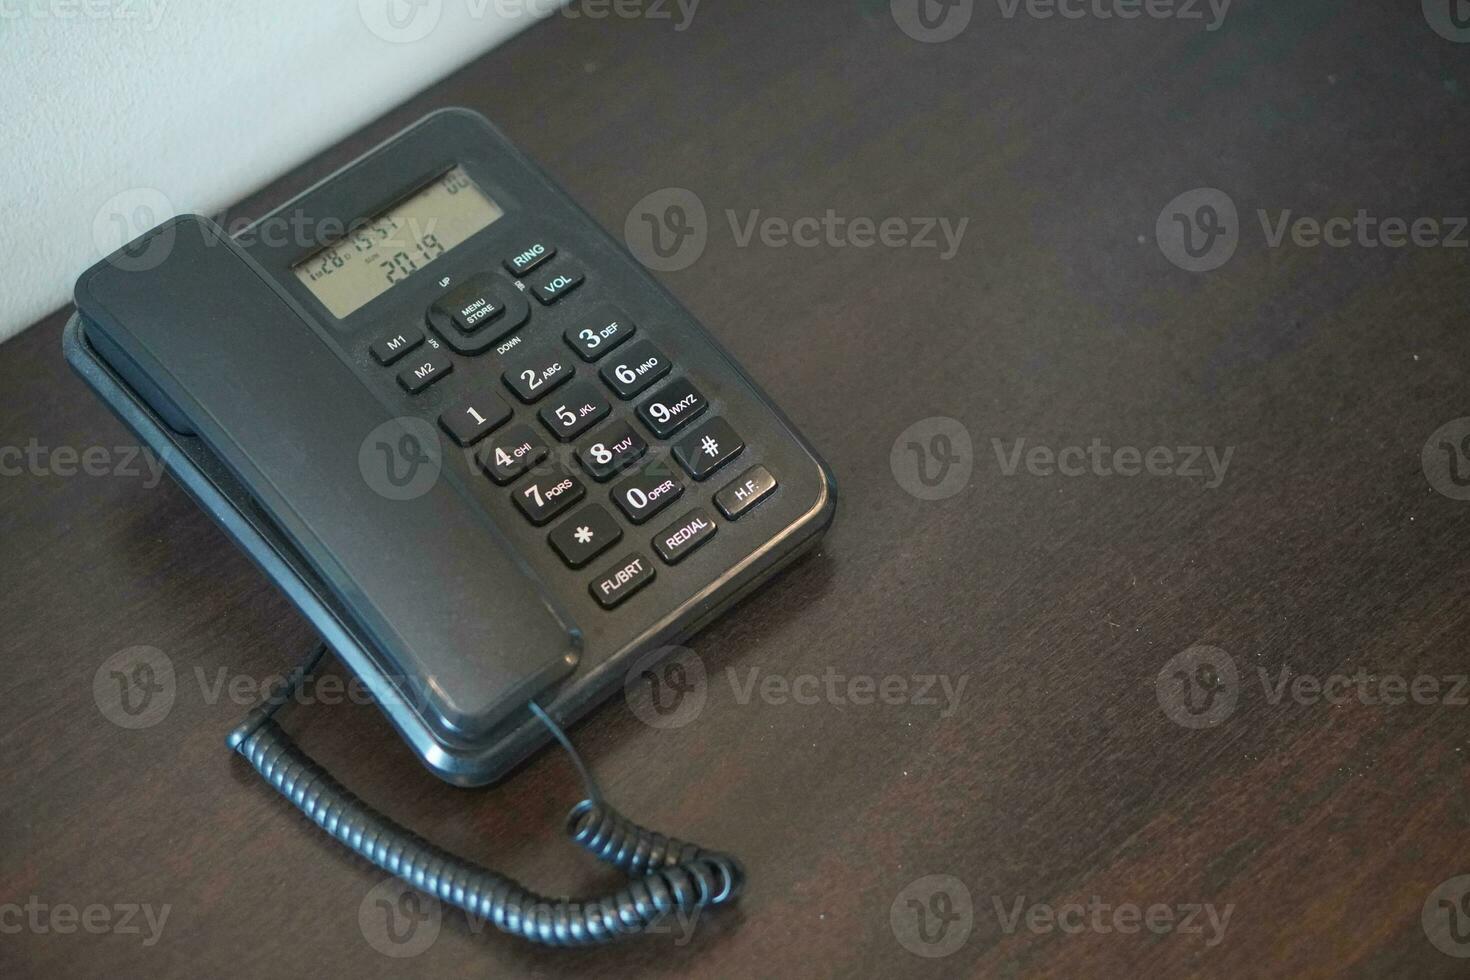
(383, 251)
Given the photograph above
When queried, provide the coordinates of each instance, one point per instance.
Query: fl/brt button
(622, 580)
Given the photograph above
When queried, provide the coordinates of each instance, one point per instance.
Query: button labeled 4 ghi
(512, 453)
(707, 448)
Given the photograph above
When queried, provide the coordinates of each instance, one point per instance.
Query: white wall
(117, 113)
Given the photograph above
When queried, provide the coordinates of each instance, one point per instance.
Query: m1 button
(528, 258)
(622, 580)
(676, 541)
(749, 489)
(390, 348)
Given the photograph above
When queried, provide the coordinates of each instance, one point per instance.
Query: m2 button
(528, 258)
(545, 497)
(672, 407)
(388, 349)
(552, 286)
(749, 489)
(622, 580)
(418, 376)
(676, 541)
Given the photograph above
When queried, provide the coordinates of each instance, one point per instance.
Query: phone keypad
(483, 317)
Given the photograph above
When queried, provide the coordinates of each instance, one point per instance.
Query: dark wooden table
(1097, 793)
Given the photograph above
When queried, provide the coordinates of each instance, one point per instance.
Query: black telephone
(483, 451)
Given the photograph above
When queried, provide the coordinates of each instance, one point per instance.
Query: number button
(578, 409)
(585, 535)
(546, 496)
(552, 286)
(416, 377)
(607, 327)
(511, 453)
(642, 496)
(534, 378)
(707, 448)
(474, 418)
(635, 369)
(615, 448)
(673, 407)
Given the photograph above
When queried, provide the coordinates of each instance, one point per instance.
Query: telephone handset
(489, 458)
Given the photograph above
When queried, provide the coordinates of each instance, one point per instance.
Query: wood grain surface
(1029, 797)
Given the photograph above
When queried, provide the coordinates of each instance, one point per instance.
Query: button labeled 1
(474, 418)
